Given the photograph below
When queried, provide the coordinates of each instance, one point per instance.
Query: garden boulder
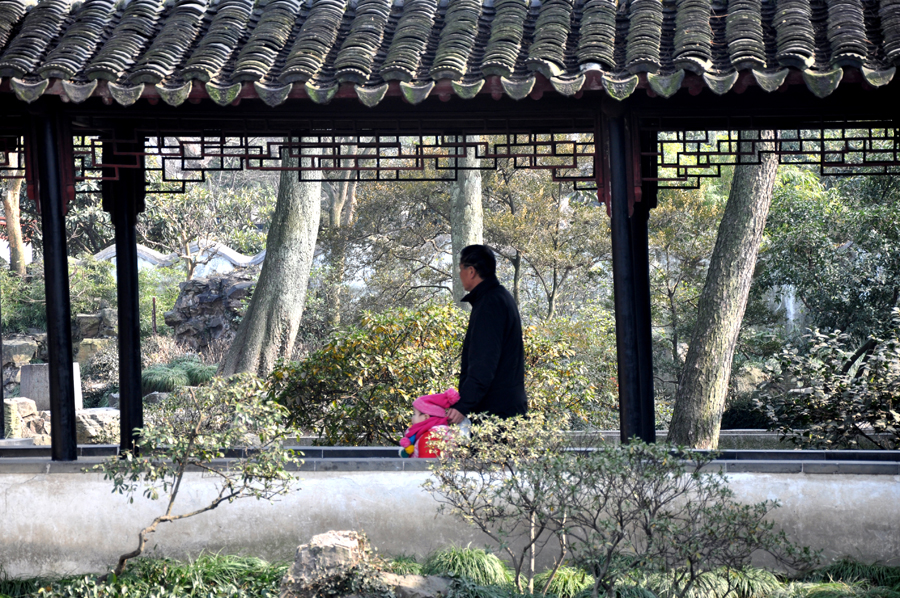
(416, 586)
(327, 557)
(207, 309)
(97, 426)
(330, 556)
(23, 420)
(19, 351)
(103, 324)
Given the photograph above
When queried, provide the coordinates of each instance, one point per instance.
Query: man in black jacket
(492, 376)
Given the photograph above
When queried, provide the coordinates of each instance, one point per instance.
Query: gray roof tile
(364, 45)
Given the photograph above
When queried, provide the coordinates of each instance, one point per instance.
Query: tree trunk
(700, 398)
(342, 207)
(466, 217)
(13, 221)
(269, 328)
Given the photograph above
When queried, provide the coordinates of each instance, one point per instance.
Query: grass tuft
(567, 583)
(473, 564)
(852, 571)
(199, 373)
(161, 378)
(209, 576)
(404, 565)
(835, 589)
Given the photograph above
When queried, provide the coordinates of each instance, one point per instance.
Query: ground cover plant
(209, 576)
(192, 428)
(225, 576)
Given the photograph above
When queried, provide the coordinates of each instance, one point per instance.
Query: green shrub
(197, 373)
(474, 564)
(744, 414)
(748, 582)
(625, 511)
(161, 283)
(91, 286)
(835, 395)
(358, 388)
(567, 582)
(835, 589)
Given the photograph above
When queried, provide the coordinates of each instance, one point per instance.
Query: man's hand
(454, 416)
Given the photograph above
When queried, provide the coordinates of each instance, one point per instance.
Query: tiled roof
(317, 49)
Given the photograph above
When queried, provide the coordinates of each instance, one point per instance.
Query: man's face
(469, 277)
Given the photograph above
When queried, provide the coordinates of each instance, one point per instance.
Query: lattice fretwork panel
(686, 157)
(174, 162)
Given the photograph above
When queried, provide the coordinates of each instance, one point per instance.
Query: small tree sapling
(190, 431)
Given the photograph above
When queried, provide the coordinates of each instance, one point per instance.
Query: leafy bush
(474, 564)
(359, 387)
(91, 285)
(853, 571)
(744, 414)
(503, 481)
(836, 395)
(622, 512)
(748, 582)
(161, 283)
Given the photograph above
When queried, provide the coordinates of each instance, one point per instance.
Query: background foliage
(359, 387)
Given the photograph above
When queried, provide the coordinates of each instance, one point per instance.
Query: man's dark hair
(481, 258)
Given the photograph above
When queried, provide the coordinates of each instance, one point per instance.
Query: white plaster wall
(70, 523)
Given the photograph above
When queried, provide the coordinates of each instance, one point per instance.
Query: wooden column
(123, 199)
(640, 251)
(48, 136)
(631, 277)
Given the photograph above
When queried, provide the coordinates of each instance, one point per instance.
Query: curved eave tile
(130, 36)
(220, 41)
(171, 43)
(269, 37)
(79, 42)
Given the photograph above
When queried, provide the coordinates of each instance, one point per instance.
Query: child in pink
(428, 422)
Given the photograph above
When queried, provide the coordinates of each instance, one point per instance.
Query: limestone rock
(206, 309)
(25, 406)
(23, 419)
(326, 556)
(19, 351)
(97, 426)
(748, 379)
(103, 324)
(89, 347)
(12, 421)
(417, 586)
(150, 399)
(155, 397)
